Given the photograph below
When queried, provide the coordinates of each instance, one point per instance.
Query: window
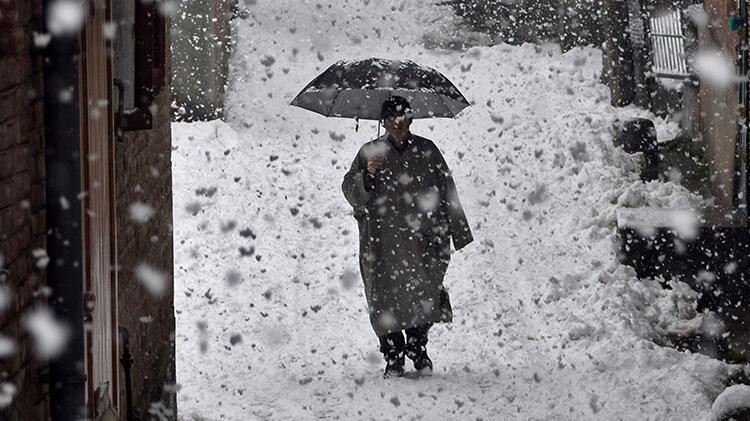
(139, 62)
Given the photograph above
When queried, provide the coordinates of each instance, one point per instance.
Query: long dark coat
(407, 214)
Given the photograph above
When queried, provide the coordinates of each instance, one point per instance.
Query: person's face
(398, 125)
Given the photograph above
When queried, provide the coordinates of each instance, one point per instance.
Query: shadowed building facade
(85, 134)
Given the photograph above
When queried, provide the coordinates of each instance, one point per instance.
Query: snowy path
(547, 324)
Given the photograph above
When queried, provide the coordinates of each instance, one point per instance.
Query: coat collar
(406, 143)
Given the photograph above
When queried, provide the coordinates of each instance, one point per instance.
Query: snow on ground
(271, 315)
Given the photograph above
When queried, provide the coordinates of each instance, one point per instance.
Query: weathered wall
(143, 165)
(200, 51)
(22, 213)
(618, 52)
(580, 23)
(718, 114)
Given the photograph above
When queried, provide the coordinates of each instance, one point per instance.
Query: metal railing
(668, 46)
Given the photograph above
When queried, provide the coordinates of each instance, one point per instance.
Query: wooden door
(97, 163)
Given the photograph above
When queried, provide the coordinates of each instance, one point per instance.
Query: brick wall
(144, 174)
(22, 201)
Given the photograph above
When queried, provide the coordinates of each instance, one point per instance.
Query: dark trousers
(393, 345)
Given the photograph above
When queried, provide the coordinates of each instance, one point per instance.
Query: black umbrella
(357, 88)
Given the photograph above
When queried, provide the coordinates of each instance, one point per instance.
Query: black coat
(407, 212)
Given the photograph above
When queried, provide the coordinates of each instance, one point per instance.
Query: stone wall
(200, 49)
(580, 23)
(22, 200)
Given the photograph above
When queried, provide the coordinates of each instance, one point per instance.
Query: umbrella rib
(330, 109)
(444, 104)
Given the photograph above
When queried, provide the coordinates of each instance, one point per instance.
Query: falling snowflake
(50, 335)
(65, 17)
(152, 279)
(141, 212)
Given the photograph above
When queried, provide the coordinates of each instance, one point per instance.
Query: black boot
(394, 367)
(423, 363)
(416, 348)
(392, 347)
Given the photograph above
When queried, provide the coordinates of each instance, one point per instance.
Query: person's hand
(374, 163)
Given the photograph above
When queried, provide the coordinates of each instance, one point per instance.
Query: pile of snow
(730, 403)
(684, 222)
(271, 316)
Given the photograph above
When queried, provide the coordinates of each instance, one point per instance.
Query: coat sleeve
(457, 223)
(354, 187)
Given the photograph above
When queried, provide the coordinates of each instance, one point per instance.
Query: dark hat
(395, 105)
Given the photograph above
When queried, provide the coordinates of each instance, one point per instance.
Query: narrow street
(271, 314)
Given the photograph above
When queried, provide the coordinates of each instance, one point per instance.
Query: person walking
(407, 208)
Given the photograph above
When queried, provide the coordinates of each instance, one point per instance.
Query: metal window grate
(668, 46)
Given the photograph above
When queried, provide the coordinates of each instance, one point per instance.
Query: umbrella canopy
(357, 88)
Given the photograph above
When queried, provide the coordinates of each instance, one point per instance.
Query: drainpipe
(127, 362)
(67, 377)
(739, 23)
(742, 144)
